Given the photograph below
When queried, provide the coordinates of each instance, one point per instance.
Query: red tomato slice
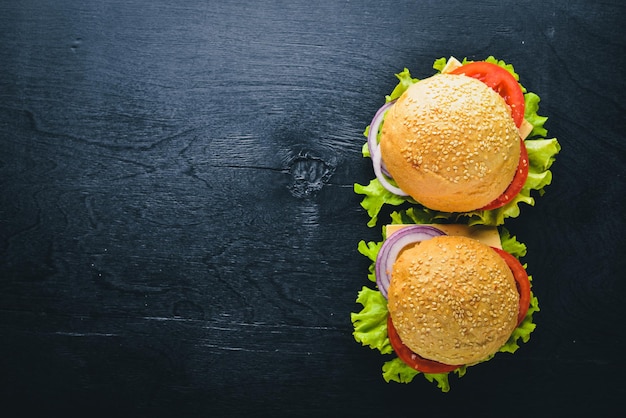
(501, 81)
(521, 280)
(521, 174)
(423, 365)
(412, 359)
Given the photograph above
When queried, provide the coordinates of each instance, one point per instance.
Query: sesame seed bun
(453, 299)
(450, 143)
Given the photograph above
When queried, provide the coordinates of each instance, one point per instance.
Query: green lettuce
(541, 155)
(511, 245)
(370, 250)
(370, 323)
(405, 81)
(375, 197)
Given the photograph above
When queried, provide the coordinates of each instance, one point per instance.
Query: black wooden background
(178, 229)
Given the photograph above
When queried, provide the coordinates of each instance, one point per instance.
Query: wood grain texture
(178, 229)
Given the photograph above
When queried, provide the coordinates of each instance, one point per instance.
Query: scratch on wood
(85, 334)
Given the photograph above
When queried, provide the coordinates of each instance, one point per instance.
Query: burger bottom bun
(453, 299)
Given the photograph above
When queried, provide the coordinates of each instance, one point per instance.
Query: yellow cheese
(451, 65)
(486, 234)
(525, 129)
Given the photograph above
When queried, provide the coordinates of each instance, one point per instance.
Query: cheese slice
(486, 234)
(451, 65)
(525, 129)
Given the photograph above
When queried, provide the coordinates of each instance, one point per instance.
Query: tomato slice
(501, 81)
(521, 174)
(412, 359)
(423, 365)
(506, 86)
(521, 280)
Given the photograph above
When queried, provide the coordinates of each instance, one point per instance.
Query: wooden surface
(178, 228)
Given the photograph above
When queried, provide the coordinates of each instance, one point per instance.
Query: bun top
(453, 299)
(450, 142)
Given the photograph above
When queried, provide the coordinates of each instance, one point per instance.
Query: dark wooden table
(178, 227)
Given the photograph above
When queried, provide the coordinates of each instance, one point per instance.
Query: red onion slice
(374, 148)
(378, 170)
(372, 137)
(392, 246)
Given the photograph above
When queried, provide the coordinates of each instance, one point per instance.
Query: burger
(456, 153)
(448, 297)
(466, 140)
(450, 143)
(454, 301)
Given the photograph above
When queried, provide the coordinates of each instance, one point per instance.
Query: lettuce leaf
(375, 197)
(370, 324)
(398, 371)
(370, 250)
(531, 106)
(414, 215)
(511, 245)
(524, 329)
(541, 155)
(405, 81)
